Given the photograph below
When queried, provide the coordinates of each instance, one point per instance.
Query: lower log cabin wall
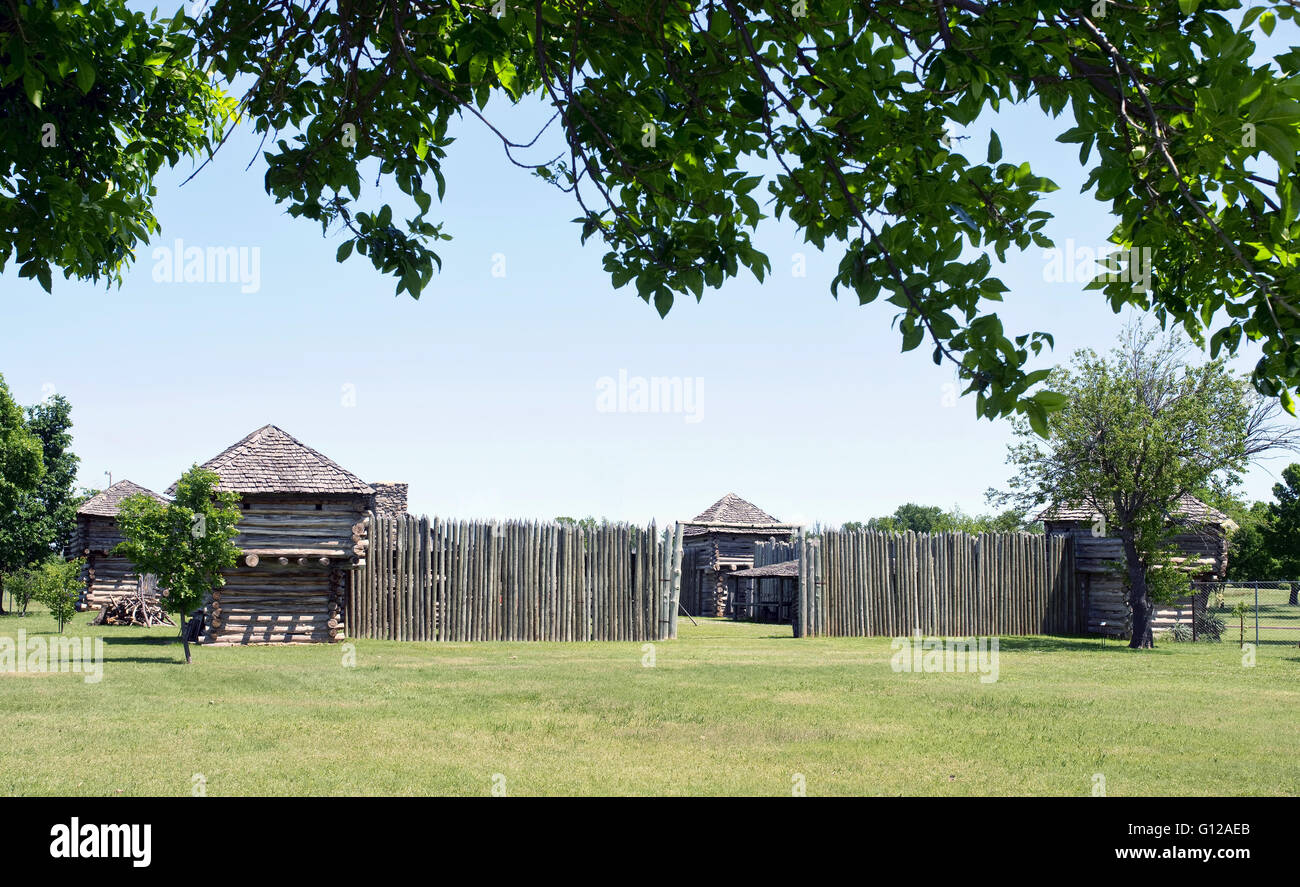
(1099, 562)
(107, 577)
(274, 603)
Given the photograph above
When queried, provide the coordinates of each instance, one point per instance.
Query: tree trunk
(1137, 596)
(1295, 590)
(2, 595)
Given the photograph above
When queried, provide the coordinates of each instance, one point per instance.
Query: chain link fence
(1263, 613)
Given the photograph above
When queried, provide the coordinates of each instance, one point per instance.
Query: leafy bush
(55, 583)
(1180, 633)
(61, 588)
(1209, 628)
(22, 586)
(1165, 581)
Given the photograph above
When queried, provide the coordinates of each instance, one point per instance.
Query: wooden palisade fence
(867, 583)
(439, 580)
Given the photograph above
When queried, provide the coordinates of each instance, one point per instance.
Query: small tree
(60, 588)
(56, 583)
(185, 542)
(1240, 611)
(1135, 433)
(23, 586)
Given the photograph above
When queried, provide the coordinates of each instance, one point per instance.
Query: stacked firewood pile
(132, 609)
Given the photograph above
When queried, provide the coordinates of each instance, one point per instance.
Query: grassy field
(727, 709)
(1279, 622)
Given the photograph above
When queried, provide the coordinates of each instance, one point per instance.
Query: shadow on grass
(164, 640)
(1041, 644)
(1052, 644)
(179, 659)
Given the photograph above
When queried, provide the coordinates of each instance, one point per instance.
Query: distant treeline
(933, 519)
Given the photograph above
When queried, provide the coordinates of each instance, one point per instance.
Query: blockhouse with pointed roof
(107, 575)
(1198, 531)
(719, 541)
(301, 532)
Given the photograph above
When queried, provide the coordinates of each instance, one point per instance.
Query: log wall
(438, 580)
(289, 585)
(106, 577)
(867, 583)
(274, 603)
(301, 526)
(711, 557)
(1100, 563)
(96, 535)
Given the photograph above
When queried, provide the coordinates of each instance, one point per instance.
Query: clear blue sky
(483, 395)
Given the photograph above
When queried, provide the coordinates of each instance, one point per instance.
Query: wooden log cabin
(301, 531)
(1198, 531)
(717, 542)
(96, 536)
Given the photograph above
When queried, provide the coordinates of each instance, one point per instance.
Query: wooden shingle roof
(1189, 509)
(270, 460)
(108, 502)
(732, 513)
(731, 509)
(783, 569)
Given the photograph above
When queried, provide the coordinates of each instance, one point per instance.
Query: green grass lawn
(727, 709)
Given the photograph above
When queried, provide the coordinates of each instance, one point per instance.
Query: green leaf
(1038, 421)
(34, 85)
(913, 334)
(663, 301)
(995, 147)
(477, 67)
(1051, 401)
(505, 71)
(85, 77)
(1280, 143)
(345, 250)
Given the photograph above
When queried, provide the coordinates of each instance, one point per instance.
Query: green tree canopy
(21, 470)
(1250, 550)
(185, 542)
(677, 127)
(933, 519)
(95, 99)
(1283, 529)
(21, 467)
(43, 518)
